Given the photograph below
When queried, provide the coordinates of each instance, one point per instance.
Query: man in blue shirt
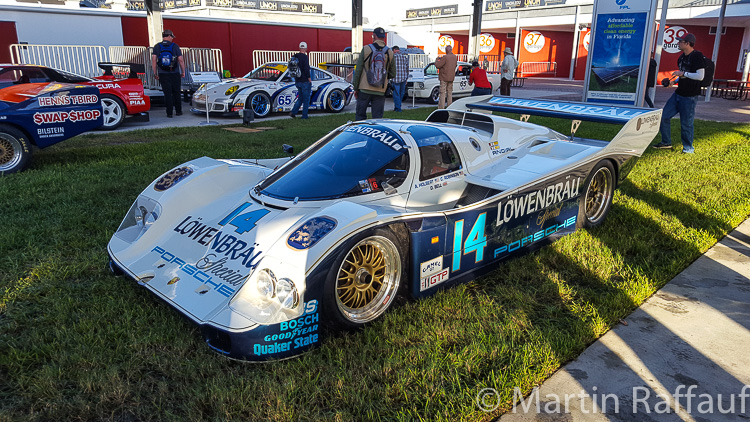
(303, 83)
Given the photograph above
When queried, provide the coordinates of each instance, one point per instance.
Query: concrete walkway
(683, 355)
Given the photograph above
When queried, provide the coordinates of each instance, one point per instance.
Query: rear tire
(336, 101)
(113, 112)
(365, 278)
(599, 189)
(15, 150)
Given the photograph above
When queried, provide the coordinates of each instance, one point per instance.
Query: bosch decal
(299, 332)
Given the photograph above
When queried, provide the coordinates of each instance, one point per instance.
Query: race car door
(461, 83)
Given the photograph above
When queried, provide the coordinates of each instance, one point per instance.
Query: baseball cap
(379, 32)
(690, 38)
(303, 45)
(167, 33)
(395, 47)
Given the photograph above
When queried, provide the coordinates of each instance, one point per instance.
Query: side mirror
(288, 149)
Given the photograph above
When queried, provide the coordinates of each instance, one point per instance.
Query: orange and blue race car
(120, 96)
(43, 114)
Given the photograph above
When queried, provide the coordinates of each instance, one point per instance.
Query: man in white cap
(303, 82)
(508, 69)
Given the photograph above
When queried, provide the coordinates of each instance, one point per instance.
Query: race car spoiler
(560, 109)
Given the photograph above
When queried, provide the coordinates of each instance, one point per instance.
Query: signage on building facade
(621, 34)
(272, 5)
(493, 5)
(432, 11)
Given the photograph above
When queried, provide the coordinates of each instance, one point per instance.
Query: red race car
(120, 96)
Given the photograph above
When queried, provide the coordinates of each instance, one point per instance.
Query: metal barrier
(536, 68)
(261, 57)
(80, 59)
(318, 57)
(419, 61)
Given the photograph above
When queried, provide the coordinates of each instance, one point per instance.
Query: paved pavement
(683, 355)
(717, 109)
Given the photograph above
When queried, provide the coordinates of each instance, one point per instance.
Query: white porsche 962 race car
(425, 84)
(259, 253)
(270, 88)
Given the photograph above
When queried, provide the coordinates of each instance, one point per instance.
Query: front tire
(336, 101)
(113, 112)
(434, 95)
(260, 103)
(15, 150)
(364, 279)
(599, 189)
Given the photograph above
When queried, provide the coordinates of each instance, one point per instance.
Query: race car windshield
(354, 161)
(269, 72)
(71, 77)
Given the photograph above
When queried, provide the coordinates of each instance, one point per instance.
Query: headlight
(419, 85)
(268, 299)
(232, 89)
(141, 216)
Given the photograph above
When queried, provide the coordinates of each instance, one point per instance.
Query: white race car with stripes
(260, 253)
(269, 88)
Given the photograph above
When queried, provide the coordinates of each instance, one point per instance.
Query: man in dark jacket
(169, 72)
(303, 83)
(683, 100)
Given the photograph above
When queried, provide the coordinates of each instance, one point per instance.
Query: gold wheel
(368, 279)
(599, 195)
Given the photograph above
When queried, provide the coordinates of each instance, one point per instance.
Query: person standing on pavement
(168, 68)
(446, 65)
(685, 97)
(375, 66)
(508, 69)
(402, 74)
(303, 82)
(478, 78)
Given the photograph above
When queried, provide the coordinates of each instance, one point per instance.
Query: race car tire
(15, 150)
(434, 95)
(113, 112)
(599, 189)
(260, 103)
(364, 279)
(336, 101)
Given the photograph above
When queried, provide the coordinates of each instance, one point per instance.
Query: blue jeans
(304, 90)
(685, 106)
(480, 91)
(399, 88)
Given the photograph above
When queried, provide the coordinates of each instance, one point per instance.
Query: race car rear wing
(640, 125)
(133, 69)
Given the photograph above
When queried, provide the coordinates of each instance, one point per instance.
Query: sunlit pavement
(683, 355)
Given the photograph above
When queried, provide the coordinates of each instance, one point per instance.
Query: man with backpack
(691, 64)
(375, 66)
(169, 67)
(299, 68)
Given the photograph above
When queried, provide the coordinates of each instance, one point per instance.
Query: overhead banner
(619, 51)
(432, 11)
(493, 5)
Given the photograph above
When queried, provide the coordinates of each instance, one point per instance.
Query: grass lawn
(77, 343)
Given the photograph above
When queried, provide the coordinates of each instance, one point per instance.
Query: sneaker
(179, 113)
(662, 146)
(684, 151)
(292, 115)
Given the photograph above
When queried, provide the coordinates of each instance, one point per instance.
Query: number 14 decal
(244, 222)
(475, 242)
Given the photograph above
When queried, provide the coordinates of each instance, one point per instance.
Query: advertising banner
(619, 51)
(432, 11)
